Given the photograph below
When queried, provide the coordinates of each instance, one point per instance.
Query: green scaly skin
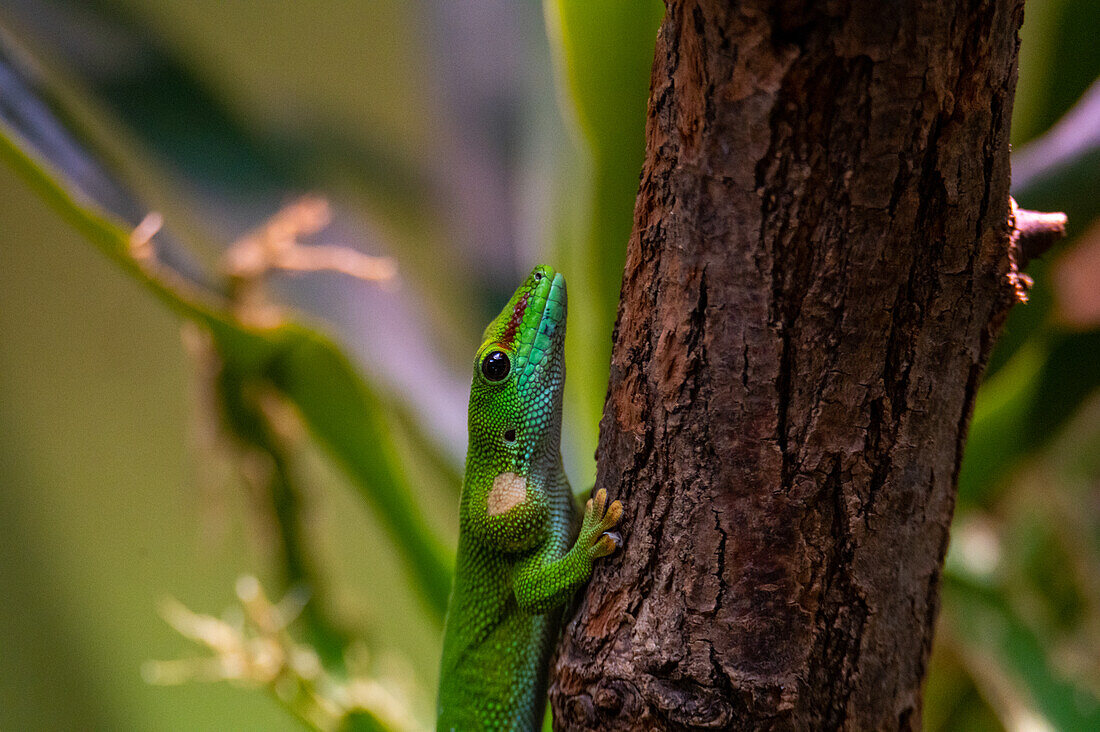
(517, 560)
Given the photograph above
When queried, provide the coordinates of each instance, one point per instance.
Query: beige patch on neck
(509, 490)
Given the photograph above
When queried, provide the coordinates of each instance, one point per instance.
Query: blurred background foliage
(465, 142)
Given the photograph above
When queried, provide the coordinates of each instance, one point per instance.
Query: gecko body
(520, 555)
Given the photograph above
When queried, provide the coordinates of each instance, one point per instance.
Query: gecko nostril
(509, 435)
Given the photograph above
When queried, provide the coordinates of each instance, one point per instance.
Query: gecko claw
(608, 542)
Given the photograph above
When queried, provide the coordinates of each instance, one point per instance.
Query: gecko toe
(614, 513)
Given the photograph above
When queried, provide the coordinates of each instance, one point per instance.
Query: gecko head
(519, 372)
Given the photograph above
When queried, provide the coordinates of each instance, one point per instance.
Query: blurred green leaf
(999, 429)
(604, 54)
(982, 618)
(1024, 404)
(1058, 60)
(177, 114)
(951, 699)
(339, 407)
(348, 417)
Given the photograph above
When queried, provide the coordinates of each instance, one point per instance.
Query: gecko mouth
(538, 347)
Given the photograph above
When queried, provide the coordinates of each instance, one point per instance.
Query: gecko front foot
(599, 518)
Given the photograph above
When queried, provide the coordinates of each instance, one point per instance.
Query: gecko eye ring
(496, 366)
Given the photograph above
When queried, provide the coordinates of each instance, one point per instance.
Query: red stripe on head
(510, 329)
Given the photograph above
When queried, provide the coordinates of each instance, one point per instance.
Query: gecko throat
(509, 490)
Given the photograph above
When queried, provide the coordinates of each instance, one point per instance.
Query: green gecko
(517, 518)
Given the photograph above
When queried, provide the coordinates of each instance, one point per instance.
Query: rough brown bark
(819, 263)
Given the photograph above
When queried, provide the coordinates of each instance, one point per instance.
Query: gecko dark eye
(495, 366)
(538, 276)
(509, 435)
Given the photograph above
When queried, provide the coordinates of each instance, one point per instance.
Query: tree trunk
(819, 263)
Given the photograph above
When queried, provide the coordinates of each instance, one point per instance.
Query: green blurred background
(467, 142)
